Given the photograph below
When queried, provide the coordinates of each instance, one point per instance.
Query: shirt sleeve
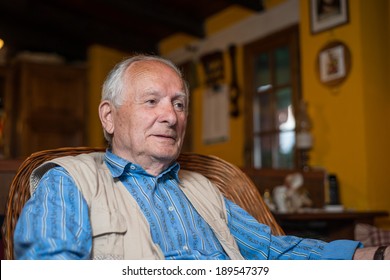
(256, 242)
(54, 222)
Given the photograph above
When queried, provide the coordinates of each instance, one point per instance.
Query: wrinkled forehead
(149, 71)
(138, 68)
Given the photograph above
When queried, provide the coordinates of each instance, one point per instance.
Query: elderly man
(134, 202)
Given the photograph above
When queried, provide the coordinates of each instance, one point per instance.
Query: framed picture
(327, 14)
(334, 63)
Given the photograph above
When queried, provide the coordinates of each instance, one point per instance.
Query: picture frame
(334, 63)
(327, 14)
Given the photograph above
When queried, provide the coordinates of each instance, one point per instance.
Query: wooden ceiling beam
(70, 26)
(156, 11)
(57, 29)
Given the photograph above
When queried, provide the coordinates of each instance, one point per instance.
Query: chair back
(230, 180)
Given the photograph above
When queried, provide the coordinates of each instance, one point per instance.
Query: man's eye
(179, 106)
(151, 101)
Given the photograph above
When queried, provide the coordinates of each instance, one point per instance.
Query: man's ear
(106, 114)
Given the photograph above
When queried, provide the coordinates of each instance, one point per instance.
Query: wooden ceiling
(68, 27)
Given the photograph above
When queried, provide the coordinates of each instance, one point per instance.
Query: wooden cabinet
(46, 107)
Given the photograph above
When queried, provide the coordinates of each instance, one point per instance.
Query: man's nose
(168, 114)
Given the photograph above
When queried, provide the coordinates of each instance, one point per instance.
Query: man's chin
(167, 154)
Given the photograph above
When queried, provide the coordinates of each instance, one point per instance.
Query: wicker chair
(232, 182)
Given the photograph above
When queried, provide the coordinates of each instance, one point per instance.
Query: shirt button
(132, 167)
(170, 208)
(185, 248)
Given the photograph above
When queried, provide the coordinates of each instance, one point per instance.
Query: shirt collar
(118, 166)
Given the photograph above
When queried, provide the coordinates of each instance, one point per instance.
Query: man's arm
(255, 241)
(369, 252)
(54, 222)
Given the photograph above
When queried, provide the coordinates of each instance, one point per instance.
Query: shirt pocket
(108, 231)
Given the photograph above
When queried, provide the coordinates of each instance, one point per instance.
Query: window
(272, 79)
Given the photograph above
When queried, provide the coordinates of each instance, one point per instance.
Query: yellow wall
(376, 45)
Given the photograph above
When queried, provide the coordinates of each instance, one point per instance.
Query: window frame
(286, 37)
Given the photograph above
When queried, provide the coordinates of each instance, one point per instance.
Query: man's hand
(368, 253)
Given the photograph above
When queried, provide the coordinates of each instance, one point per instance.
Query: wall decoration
(213, 66)
(234, 88)
(215, 114)
(334, 63)
(327, 14)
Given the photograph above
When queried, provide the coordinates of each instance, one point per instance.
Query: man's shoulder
(83, 164)
(87, 158)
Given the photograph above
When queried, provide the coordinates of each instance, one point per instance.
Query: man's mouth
(166, 136)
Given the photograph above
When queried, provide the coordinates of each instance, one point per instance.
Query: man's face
(150, 125)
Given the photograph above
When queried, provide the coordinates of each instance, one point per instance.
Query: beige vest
(119, 228)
